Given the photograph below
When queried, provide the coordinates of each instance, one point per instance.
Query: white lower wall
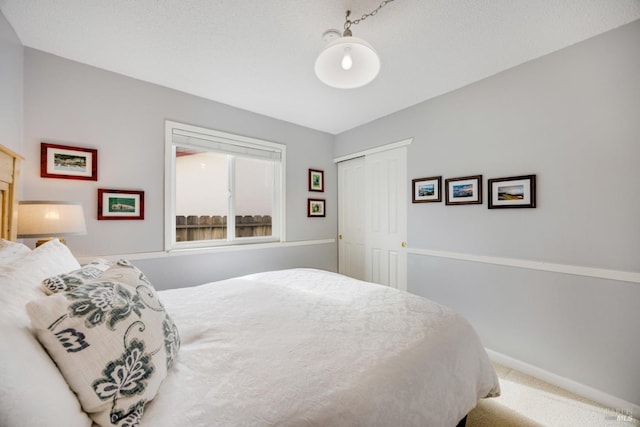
(178, 269)
(578, 327)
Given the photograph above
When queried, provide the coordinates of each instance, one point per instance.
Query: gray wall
(572, 118)
(74, 104)
(10, 87)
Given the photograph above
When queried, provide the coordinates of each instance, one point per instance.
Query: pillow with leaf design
(69, 281)
(112, 340)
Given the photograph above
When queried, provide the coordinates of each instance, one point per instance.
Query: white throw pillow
(112, 340)
(20, 282)
(11, 251)
(33, 392)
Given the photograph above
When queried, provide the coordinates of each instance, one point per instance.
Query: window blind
(226, 145)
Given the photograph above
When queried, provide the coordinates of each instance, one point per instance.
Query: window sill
(205, 250)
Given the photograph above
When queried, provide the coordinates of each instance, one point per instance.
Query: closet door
(372, 217)
(386, 217)
(351, 218)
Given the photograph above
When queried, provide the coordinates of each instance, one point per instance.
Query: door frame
(373, 150)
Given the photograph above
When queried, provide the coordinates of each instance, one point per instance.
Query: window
(221, 189)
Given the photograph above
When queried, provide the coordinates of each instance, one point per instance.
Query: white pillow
(21, 281)
(11, 251)
(32, 390)
(112, 340)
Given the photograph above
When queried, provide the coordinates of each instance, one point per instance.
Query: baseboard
(616, 404)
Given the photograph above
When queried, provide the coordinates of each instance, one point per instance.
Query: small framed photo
(464, 191)
(316, 180)
(315, 207)
(120, 204)
(427, 189)
(64, 161)
(512, 192)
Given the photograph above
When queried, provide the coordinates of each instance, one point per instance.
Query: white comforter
(309, 348)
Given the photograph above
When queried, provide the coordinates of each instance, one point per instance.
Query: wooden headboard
(9, 174)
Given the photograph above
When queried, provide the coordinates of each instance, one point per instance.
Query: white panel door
(386, 218)
(351, 218)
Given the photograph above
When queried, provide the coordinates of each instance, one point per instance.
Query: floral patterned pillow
(69, 281)
(112, 340)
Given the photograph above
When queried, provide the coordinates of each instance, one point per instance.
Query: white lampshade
(50, 219)
(365, 63)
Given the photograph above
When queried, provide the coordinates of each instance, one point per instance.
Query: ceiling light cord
(348, 22)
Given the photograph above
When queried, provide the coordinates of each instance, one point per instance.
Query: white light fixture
(49, 220)
(348, 62)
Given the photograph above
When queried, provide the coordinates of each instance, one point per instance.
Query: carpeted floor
(529, 402)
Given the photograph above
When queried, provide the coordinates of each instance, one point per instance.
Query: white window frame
(241, 143)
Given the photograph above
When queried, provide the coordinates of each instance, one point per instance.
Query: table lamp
(49, 220)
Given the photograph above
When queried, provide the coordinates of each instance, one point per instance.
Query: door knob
(404, 244)
(340, 236)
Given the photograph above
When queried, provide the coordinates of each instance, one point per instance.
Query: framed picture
(63, 161)
(315, 207)
(316, 180)
(464, 191)
(512, 192)
(427, 189)
(120, 204)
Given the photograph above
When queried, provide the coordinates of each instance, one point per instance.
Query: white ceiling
(258, 55)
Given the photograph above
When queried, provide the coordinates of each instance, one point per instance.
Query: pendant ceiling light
(348, 62)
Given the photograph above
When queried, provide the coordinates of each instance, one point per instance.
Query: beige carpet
(529, 402)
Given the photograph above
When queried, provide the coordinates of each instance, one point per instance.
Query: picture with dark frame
(427, 190)
(465, 190)
(315, 207)
(512, 192)
(120, 204)
(316, 180)
(67, 162)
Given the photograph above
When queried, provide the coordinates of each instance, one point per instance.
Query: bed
(98, 345)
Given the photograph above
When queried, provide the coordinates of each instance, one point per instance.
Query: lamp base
(43, 241)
